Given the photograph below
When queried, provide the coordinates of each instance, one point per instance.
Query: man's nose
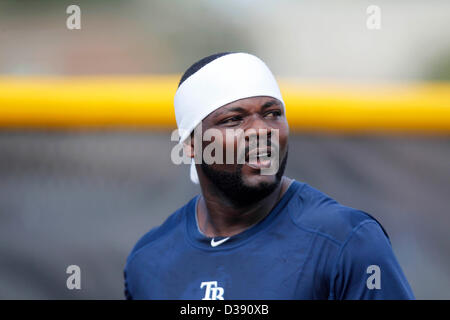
(258, 128)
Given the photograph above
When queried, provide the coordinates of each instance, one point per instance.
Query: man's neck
(218, 217)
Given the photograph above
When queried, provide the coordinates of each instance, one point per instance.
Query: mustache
(268, 149)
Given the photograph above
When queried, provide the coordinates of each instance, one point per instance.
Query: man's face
(263, 115)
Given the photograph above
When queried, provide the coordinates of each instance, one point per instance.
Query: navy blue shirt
(308, 247)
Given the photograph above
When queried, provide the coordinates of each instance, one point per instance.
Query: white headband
(226, 79)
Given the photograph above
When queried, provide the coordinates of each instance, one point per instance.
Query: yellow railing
(147, 101)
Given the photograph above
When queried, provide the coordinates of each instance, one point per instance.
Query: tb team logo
(213, 291)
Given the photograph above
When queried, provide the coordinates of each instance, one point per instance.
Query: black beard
(232, 185)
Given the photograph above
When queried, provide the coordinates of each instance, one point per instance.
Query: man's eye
(273, 114)
(231, 120)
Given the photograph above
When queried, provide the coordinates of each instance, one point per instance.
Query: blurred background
(86, 117)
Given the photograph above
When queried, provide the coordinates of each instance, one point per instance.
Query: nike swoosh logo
(218, 243)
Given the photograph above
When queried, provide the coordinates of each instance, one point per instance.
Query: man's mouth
(259, 158)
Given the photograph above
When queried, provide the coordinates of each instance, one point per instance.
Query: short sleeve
(366, 267)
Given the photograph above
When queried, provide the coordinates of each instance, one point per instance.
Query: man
(251, 235)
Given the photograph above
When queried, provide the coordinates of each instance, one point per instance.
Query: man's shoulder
(316, 212)
(160, 233)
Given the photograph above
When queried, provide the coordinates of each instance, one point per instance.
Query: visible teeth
(256, 155)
